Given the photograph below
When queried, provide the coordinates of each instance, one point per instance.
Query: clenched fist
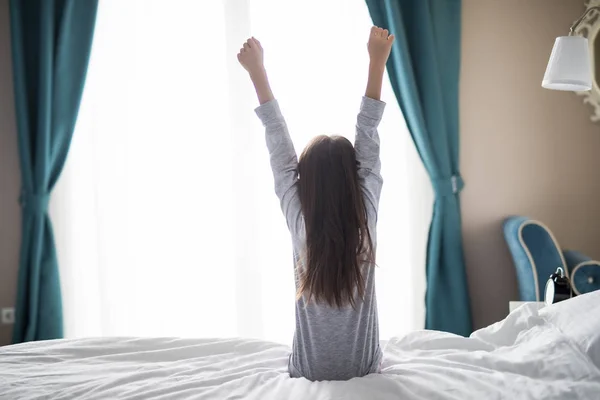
(251, 56)
(380, 45)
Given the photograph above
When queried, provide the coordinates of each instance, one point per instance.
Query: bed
(535, 353)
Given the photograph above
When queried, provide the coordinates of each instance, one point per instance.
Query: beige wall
(10, 219)
(524, 150)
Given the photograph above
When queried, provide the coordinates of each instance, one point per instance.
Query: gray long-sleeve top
(330, 343)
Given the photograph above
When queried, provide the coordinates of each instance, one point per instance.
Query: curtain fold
(51, 42)
(424, 71)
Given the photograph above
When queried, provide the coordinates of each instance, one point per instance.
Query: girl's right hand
(251, 56)
(380, 46)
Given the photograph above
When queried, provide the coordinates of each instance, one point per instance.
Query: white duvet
(553, 353)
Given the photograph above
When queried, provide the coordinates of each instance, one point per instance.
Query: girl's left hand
(251, 56)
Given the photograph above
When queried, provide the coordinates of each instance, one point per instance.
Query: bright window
(166, 219)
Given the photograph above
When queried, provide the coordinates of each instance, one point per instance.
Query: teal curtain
(424, 72)
(51, 42)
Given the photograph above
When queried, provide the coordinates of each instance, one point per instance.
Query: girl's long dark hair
(338, 241)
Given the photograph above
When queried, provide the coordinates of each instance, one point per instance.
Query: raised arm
(379, 46)
(251, 58)
(371, 110)
(284, 162)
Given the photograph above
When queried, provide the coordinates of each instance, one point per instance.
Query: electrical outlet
(7, 316)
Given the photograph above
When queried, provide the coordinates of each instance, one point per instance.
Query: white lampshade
(569, 65)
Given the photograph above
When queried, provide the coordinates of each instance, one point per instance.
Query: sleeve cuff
(269, 112)
(372, 108)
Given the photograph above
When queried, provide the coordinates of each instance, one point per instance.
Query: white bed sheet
(552, 353)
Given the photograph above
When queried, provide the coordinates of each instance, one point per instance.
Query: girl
(330, 199)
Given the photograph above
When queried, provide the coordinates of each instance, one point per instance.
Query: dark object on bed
(558, 287)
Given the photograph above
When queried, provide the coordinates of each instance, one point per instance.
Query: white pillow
(579, 320)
